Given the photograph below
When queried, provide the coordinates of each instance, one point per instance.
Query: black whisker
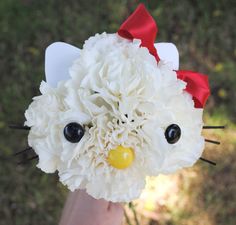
(212, 141)
(208, 161)
(214, 127)
(27, 160)
(19, 127)
(23, 151)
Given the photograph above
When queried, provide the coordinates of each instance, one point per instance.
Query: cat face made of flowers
(114, 112)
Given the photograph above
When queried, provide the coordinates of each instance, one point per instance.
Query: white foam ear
(59, 57)
(169, 53)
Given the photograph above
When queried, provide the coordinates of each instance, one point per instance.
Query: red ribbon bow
(141, 25)
(197, 86)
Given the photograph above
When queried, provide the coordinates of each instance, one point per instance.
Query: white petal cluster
(121, 96)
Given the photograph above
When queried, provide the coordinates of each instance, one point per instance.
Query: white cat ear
(169, 53)
(59, 57)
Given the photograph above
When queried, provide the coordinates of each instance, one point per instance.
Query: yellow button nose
(120, 157)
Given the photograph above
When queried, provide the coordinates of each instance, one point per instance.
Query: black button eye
(73, 132)
(172, 133)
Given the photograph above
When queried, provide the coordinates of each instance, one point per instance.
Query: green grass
(204, 32)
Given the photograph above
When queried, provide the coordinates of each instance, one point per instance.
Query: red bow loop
(141, 25)
(197, 86)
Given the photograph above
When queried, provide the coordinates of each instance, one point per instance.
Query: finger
(99, 204)
(116, 213)
(68, 208)
(116, 207)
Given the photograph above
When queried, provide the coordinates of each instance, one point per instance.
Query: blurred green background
(205, 34)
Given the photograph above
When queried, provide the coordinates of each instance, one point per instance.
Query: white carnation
(122, 97)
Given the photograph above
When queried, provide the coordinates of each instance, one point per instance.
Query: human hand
(82, 209)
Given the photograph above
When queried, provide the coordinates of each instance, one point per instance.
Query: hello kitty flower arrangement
(116, 111)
